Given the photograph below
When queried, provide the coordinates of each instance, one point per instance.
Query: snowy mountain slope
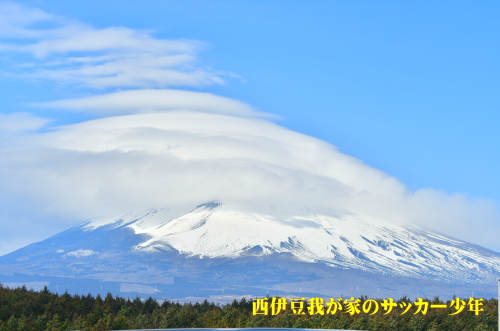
(215, 230)
(214, 246)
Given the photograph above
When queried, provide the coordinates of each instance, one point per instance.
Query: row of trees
(27, 310)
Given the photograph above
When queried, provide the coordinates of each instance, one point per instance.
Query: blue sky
(409, 88)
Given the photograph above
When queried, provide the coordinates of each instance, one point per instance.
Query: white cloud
(15, 20)
(16, 127)
(186, 158)
(20, 122)
(141, 101)
(69, 52)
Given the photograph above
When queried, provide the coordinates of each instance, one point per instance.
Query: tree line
(28, 310)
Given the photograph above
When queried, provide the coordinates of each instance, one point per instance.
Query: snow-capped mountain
(217, 243)
(213, 231)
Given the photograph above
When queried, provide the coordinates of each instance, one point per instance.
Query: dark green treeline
(27, 310)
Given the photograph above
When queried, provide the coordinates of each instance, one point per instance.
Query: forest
(28, 310)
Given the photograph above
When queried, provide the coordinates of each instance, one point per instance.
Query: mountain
(222, 251)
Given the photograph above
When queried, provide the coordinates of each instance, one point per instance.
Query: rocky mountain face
(219, 251)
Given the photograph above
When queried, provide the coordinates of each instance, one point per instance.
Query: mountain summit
(217, 247)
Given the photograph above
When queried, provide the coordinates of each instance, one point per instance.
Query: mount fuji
(220, 251)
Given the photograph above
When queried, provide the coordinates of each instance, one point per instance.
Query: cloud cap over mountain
(182, 158)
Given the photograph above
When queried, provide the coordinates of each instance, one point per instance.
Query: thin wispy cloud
(69, 52)
(155, 100)
(16, 127)
(20, 123)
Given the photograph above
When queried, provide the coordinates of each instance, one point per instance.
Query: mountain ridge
(216, 244)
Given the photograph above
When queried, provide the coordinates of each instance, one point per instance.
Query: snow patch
(81, 253)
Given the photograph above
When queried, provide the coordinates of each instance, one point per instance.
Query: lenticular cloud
(197, 157)
(184, 158)
(155, 100)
